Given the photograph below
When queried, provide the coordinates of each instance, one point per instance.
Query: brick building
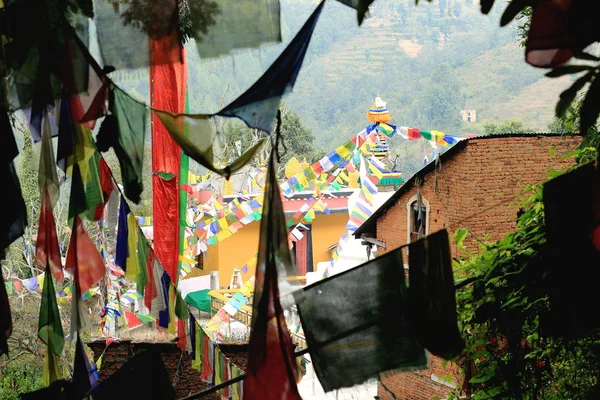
(474, 185)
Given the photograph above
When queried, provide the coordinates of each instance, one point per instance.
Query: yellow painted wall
(211, 260)
(238, 249)
(326, 230)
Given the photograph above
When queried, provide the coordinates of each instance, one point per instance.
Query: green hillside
(427, 61)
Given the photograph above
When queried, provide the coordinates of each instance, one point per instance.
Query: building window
(417, 218)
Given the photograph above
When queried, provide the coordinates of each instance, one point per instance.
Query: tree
(438, 104)
(298, 140)
(510, 126)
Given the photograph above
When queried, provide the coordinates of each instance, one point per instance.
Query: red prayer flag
(187, 188)
(131, 319)
(150, 291)
(83, 259)
(413, 134)
(350, 167)
(46, 246)
(207, 371)
(107, 187)
(181, 334)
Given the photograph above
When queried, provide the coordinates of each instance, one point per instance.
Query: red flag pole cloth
(168, 83)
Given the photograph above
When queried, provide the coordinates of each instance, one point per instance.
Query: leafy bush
(20, 378)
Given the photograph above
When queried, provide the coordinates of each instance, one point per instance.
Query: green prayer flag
(196, 134)
(49, 327)
(143, 249)
(132, 121)
(181, 310)
(426, 135)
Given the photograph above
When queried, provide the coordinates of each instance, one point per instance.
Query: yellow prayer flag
(302, 179)
(375, 171)
(132, 263)
(51, 369)
(223, 223)
(197, 361)
(342, 151)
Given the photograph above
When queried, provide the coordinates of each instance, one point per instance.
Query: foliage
(20, 378)
(511, 126)
(500, 311)
(297, 139)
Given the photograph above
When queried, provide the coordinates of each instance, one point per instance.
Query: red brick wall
(475, 190)
(188, 379)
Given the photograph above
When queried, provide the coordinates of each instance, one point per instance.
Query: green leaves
(513, 9)
(460, 235)
(590, 110)
(567, 97)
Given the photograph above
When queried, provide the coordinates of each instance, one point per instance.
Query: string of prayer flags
(433, 136)
(348, 348)
(432, 296)
(271, 372)
(257, 107)
(50, 330)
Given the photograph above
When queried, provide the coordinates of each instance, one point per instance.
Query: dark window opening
(418, 221)
(200, 261)
(302, 252)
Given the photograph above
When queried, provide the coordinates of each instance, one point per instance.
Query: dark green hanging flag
(49, 327)
(356, 325)
(125, 131)
(432, 305)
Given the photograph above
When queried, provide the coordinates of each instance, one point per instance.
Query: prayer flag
(47, 250)
(50, 329)
(432, 304)
(83, 259)
(257, 107)
(348, 348)
(271, 372)
(84, 378)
